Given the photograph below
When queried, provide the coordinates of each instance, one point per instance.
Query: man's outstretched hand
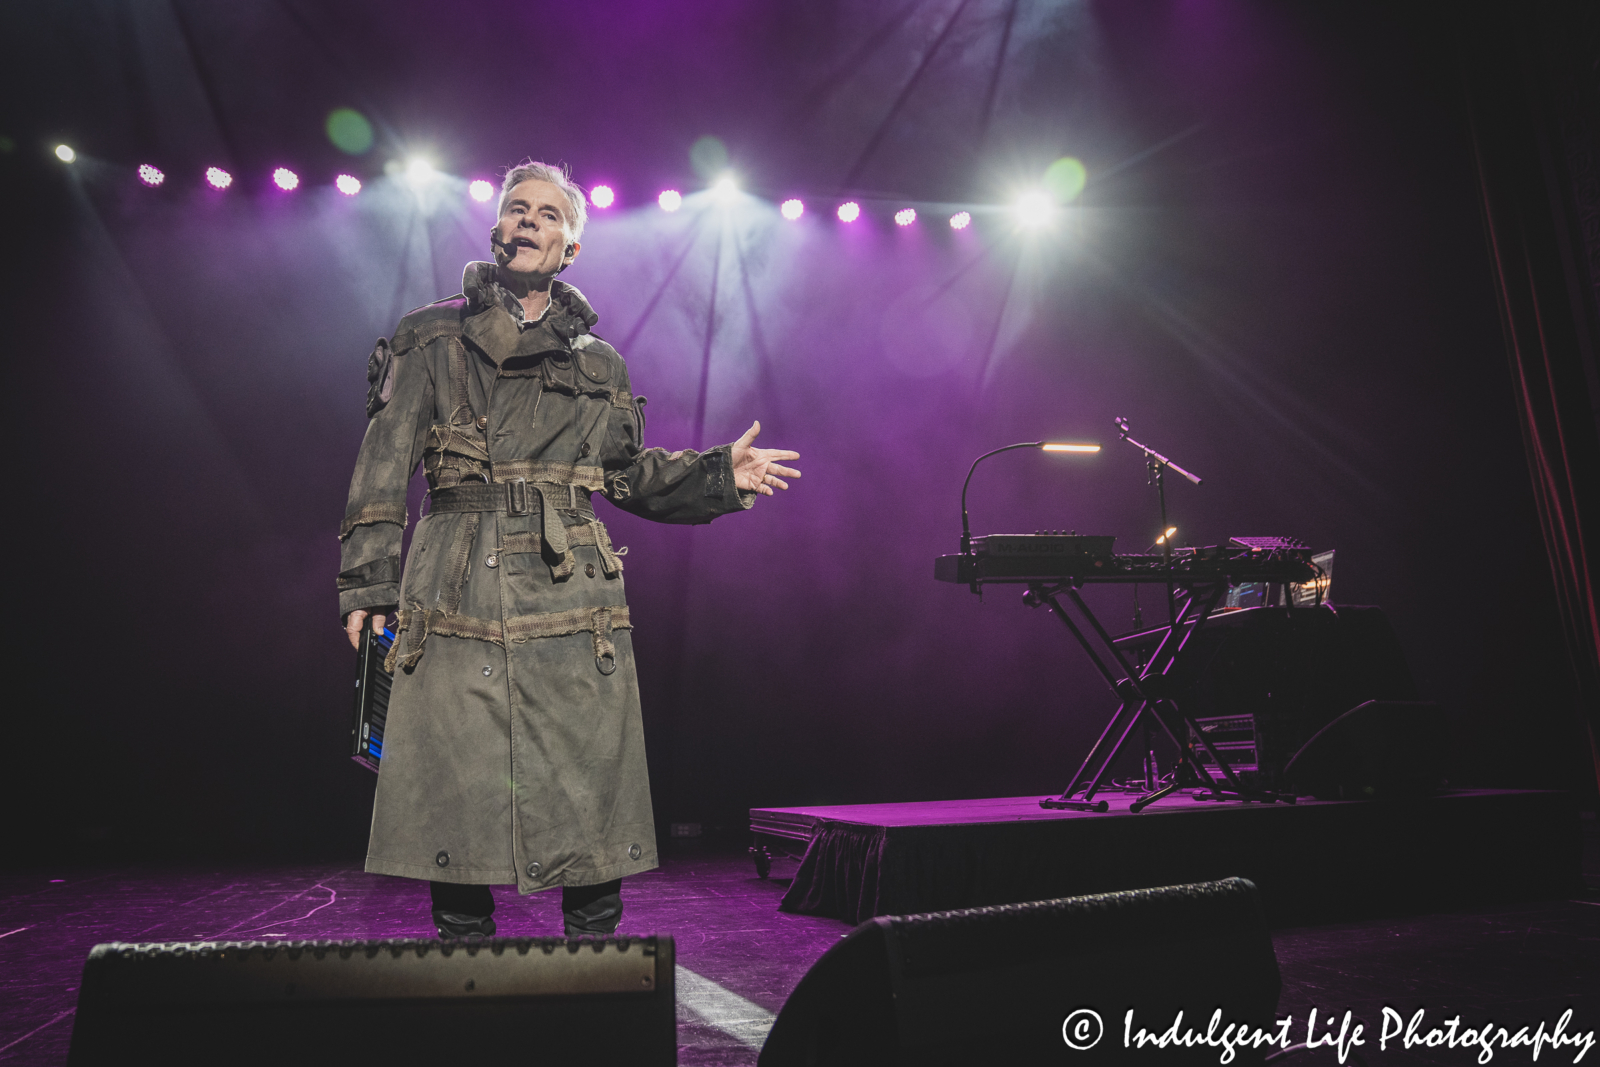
(756, 469)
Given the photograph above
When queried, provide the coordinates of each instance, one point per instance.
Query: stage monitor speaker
(1039, 983)
(1282, 674)
(1379, 750)
(607, 1000)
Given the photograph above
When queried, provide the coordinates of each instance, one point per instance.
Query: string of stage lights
(1034, 207)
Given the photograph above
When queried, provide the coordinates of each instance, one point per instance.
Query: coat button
(634, 851)
(487, 670)
(492, 561)
(483, 422)
(584, 451)
(534, 869)
(442, 859)
(588, 569)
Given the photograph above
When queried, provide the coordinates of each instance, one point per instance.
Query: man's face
(532, 233)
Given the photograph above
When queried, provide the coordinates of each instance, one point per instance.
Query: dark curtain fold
(840, 874)
(1533, 93)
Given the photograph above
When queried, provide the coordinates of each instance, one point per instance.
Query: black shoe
(454, 927)
(592, 910)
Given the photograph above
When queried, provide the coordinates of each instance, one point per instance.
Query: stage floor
(1315, 861)
(739, 957)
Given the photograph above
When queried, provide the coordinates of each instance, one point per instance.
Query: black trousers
(589, 910)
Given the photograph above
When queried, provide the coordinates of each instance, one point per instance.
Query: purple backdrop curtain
(1534, 94)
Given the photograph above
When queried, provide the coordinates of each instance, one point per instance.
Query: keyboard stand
(1142, 691)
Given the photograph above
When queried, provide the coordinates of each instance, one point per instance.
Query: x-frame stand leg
(1141, 692)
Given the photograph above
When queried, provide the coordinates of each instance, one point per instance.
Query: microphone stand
(1158, 465)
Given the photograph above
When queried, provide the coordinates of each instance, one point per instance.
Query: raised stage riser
(1314, 862)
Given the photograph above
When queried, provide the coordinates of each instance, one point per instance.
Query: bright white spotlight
(670, 200)
(725, 190)
(419, 172)
(285, 179)
(602, 196)
(218, 178)
(961, 220)
(348, 184)
(849, 211)
(905, 216)
(792, 209)
(65, 153)
(151, 176)
(481, 191)
(1035, 209)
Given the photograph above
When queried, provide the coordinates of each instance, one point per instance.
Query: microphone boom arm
(1152, 454)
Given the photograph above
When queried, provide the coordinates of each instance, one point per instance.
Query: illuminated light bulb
(726, 190)
(960, 220)
(65, 153)
(602, 196)
(1163, 538)
(285, 179)
(218, 178)
(419, 172)
(792, 209)
(905, 216)
(1065, 447)
(1035, 209)
(670, 200)
(480, 191)
(348, 184)
(849, 211)
(150, 175)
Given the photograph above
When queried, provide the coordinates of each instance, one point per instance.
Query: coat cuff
(368, 598)
(385, 570)
(720, 485)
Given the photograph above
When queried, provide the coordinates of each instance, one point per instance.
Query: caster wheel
(763, 860)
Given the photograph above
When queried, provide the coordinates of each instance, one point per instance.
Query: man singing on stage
(514, 750)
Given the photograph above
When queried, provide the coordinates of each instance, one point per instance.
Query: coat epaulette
(442, 318)
(597, 343)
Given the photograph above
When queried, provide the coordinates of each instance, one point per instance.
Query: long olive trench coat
(514, 750)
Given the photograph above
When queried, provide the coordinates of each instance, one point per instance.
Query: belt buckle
(517, 497)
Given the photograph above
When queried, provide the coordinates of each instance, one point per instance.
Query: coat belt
(515, 497)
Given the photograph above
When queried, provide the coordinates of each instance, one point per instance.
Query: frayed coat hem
(460, 876)
(434, 873)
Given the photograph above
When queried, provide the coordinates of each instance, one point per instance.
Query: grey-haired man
(513, 751)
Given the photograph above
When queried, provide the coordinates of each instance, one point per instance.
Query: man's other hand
(756, 469)
(352, 626)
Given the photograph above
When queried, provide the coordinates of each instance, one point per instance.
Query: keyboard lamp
(1045, 446)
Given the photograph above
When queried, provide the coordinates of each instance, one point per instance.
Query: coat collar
(568, 313)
